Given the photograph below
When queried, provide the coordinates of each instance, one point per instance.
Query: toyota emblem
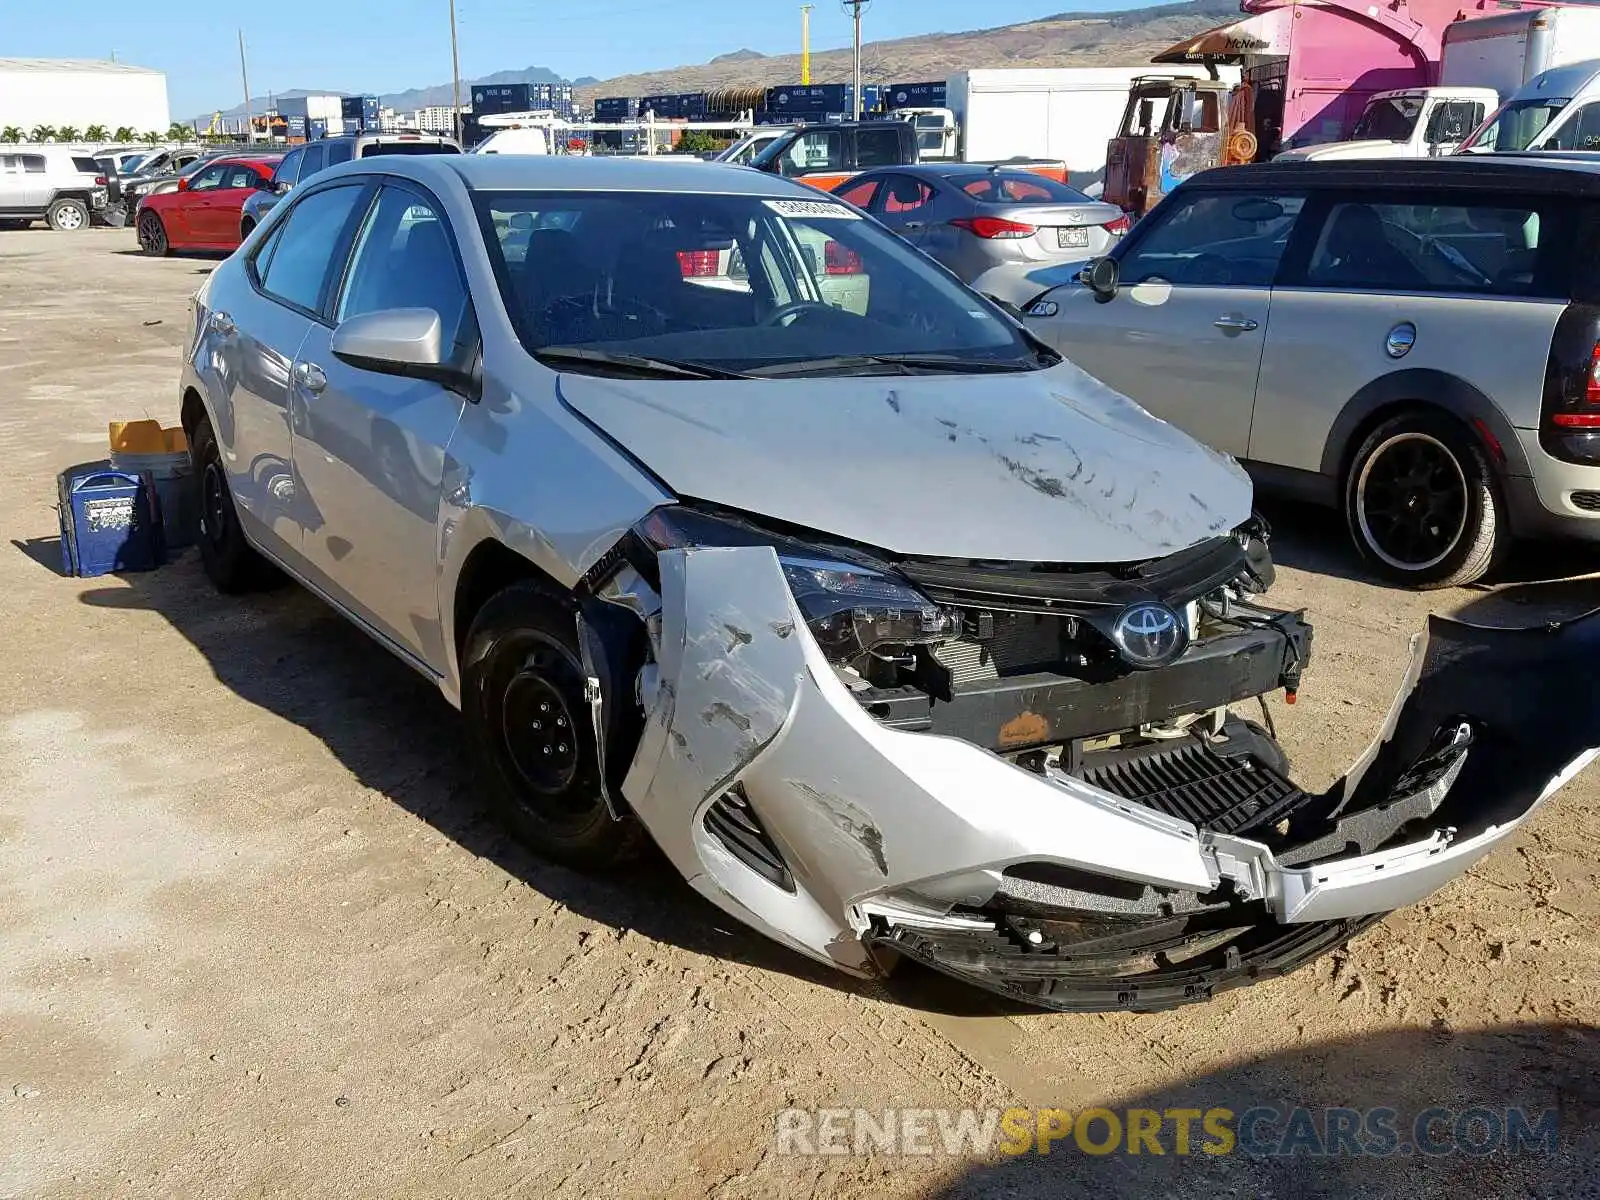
(1149, 635)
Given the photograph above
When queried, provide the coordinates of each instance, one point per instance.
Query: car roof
(948, 170)
(228, 160)
(579, 173)
(1533, 172)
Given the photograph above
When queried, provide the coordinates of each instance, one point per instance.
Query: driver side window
(207, 179)
(1216, 239)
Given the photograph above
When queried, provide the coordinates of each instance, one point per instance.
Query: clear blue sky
(368, 46)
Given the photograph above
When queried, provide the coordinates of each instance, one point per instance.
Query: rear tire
(1422, 503)
(153, 236)
(67, 215)
(231, 563)
(529, 733)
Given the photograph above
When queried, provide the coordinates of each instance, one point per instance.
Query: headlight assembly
(851, 608)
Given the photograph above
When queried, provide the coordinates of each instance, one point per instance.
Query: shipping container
(814, 101)
(324, 107)
(501, 98)
(664, 107)
(616, 108)
(316, 127)
(915, 95)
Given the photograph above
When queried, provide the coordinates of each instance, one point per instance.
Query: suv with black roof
(1417, 343)
(61, 188)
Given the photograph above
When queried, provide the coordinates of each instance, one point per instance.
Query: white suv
(56, 186)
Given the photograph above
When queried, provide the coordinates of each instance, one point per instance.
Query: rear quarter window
(1500, 245)
(86, 166)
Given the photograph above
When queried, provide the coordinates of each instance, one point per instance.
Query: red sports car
(203, 214)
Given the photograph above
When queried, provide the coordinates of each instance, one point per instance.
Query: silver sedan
(1008, 232)
(900, 636)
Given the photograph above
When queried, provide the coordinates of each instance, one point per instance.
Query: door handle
(912, 226)
(223, 324)
(310, 377)
(1236, 324)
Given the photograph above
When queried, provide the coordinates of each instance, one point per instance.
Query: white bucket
(171, 473)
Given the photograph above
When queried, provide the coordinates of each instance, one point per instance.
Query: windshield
(131, 163)
(1515, 124)
(1017, 187)
(1389, 120)
(733, 284)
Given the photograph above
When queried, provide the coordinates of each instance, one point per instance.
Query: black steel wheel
(230, 562)
(529, 731)
(1422, 503)
(152, 235)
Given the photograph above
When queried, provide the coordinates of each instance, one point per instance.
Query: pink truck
(1308, 71)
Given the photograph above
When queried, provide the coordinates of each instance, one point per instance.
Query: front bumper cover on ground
(867, 839)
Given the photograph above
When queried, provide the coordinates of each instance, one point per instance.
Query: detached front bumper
(785, 802)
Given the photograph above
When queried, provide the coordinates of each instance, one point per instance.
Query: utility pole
(244, 76)
(854, 8)
(455, 76)
(805, 43)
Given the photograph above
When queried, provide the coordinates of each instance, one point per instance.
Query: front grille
(735, 824)
(1188, 779)
(1588, 501)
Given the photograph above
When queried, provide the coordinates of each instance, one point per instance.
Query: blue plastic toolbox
(110, 521)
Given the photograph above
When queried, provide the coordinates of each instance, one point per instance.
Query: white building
(436, 118)
(81, 92)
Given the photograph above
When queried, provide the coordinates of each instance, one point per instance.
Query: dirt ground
(258, 936)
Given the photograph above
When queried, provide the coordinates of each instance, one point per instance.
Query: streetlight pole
(854, 8)
(455, 76)
(244, 76)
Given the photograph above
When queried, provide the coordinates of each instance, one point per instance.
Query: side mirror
(1100, 277)
(397, 341)
(183, 184)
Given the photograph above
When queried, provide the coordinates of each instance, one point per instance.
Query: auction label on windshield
(812, 208)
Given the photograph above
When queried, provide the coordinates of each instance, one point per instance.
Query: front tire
(67, 215)
(1423, 504)
(529, 732)
(153, 236)
(231, 563)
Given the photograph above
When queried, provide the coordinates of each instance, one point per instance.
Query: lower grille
(732, 821)
(1189, 780)
(1588, 501)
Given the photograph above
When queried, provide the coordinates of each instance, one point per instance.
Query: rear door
(253, 336)
(36, 187)
(1470, 289)
(904, 204)
(1184, 334)
(370, 447)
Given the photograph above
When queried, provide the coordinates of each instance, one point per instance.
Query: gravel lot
(259, 937)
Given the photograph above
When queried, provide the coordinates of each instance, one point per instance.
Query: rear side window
(903, 194)
(86, 166)
(33, 164)
(1581, 131)
(372, 148)
(877, 148)
(1214, 239)
(303, 253)
(339, 152)
(1491, 247)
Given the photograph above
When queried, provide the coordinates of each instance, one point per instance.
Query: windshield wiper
(641, 363)
(904, 364)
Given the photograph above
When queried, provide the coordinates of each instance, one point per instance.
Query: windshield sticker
(813, 208)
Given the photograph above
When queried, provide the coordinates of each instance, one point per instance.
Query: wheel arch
(490, 567)
(1421, 388)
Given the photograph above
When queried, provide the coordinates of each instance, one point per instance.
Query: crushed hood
(1044, 466)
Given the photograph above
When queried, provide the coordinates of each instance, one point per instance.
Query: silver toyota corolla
(899, 635)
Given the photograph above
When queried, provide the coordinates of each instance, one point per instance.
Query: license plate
(1072, 236)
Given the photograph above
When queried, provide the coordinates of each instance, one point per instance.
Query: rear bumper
(1547, 503)
(866, 837)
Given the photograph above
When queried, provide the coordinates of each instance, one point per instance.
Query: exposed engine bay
(1041, 779)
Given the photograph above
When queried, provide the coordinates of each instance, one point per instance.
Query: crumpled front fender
(875, 823)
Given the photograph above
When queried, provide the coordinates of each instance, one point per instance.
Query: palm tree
(11, 133)
(125, 133)
(153, 137)
(67, 133)
(42, 133)
(179, 132)
(96, 133)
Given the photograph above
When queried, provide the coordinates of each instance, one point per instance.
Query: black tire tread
(235, 567)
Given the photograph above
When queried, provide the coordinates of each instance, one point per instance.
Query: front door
(186, 221)
(371, 447)
(215, 219)
(1184, 333)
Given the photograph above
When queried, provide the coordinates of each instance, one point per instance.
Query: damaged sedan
(732, 523)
